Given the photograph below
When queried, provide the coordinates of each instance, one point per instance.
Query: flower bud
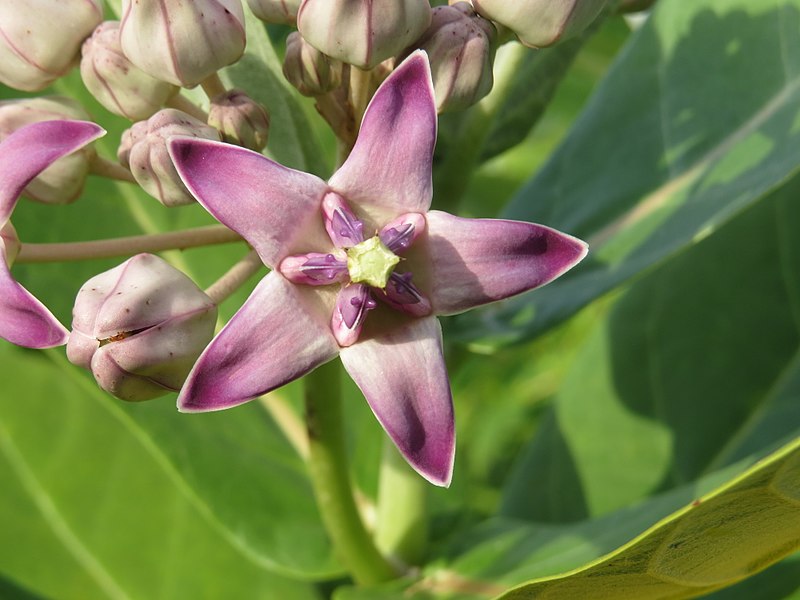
(10, 240)
(309, 70)
(115, 82)
(40, 39)
(140, 327)
(144, 151)
(282, 12)
(363, 33)
(182, 42)
(62, 182)
(240, 119)
(460, 47)
(539, 23)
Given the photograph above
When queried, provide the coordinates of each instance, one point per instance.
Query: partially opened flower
(361, 268)
(23, 155)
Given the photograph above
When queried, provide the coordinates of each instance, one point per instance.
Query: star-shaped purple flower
(24, 154)
(361, 268)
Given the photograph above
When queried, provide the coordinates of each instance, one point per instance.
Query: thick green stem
(402, 528)
(331, 479)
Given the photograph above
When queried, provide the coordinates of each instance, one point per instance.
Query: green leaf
(696, 121)
(717, 540)
(95, 505)
(695, 366)
(717, 533)
(535, 85)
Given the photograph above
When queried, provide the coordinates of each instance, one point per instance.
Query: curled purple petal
(389, 170)
(279, 334)
(477, 261)
(314, 268)
(344, 229)
(352, 304)
(24, 320)
(30, 150)
(276, 209)
(399, 234)
(401, 294)
(402, 375)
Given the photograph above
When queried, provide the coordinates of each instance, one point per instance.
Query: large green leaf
(716, 535)
(696, 121)
(716, 541)
(697, 365)
(93, 505)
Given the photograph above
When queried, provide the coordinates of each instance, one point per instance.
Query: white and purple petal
(274, 208)
(280, 333)
(30, 150)
(477, 261)
(24, 320)
(402, 374)
(388, 171)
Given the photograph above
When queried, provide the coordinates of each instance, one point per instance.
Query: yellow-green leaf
(717, 540)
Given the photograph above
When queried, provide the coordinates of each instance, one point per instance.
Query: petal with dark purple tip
(477, 261)
(276, 209)
(279, 334)
(402, 374)
(30, 150)
(389, 170)
(24, 320)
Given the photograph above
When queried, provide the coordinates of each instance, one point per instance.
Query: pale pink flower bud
(240, 119)
(283, 12)
(539, 23)
(140, 327)
(309, 70)
(460, 47)
(182, 42)
(40, 39)
(62, 182)
(363, 33)
(115, 82)
(144, 151)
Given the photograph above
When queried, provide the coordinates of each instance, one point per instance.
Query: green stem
(453, 177)
(331, 479)
(402, 528)
(126, 246)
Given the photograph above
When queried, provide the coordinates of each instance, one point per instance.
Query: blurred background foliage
(663, 368)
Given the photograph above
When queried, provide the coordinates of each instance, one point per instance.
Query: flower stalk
(234, 278)
(125, 246)
(331, 479)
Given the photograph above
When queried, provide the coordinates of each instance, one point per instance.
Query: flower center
(371, 262)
